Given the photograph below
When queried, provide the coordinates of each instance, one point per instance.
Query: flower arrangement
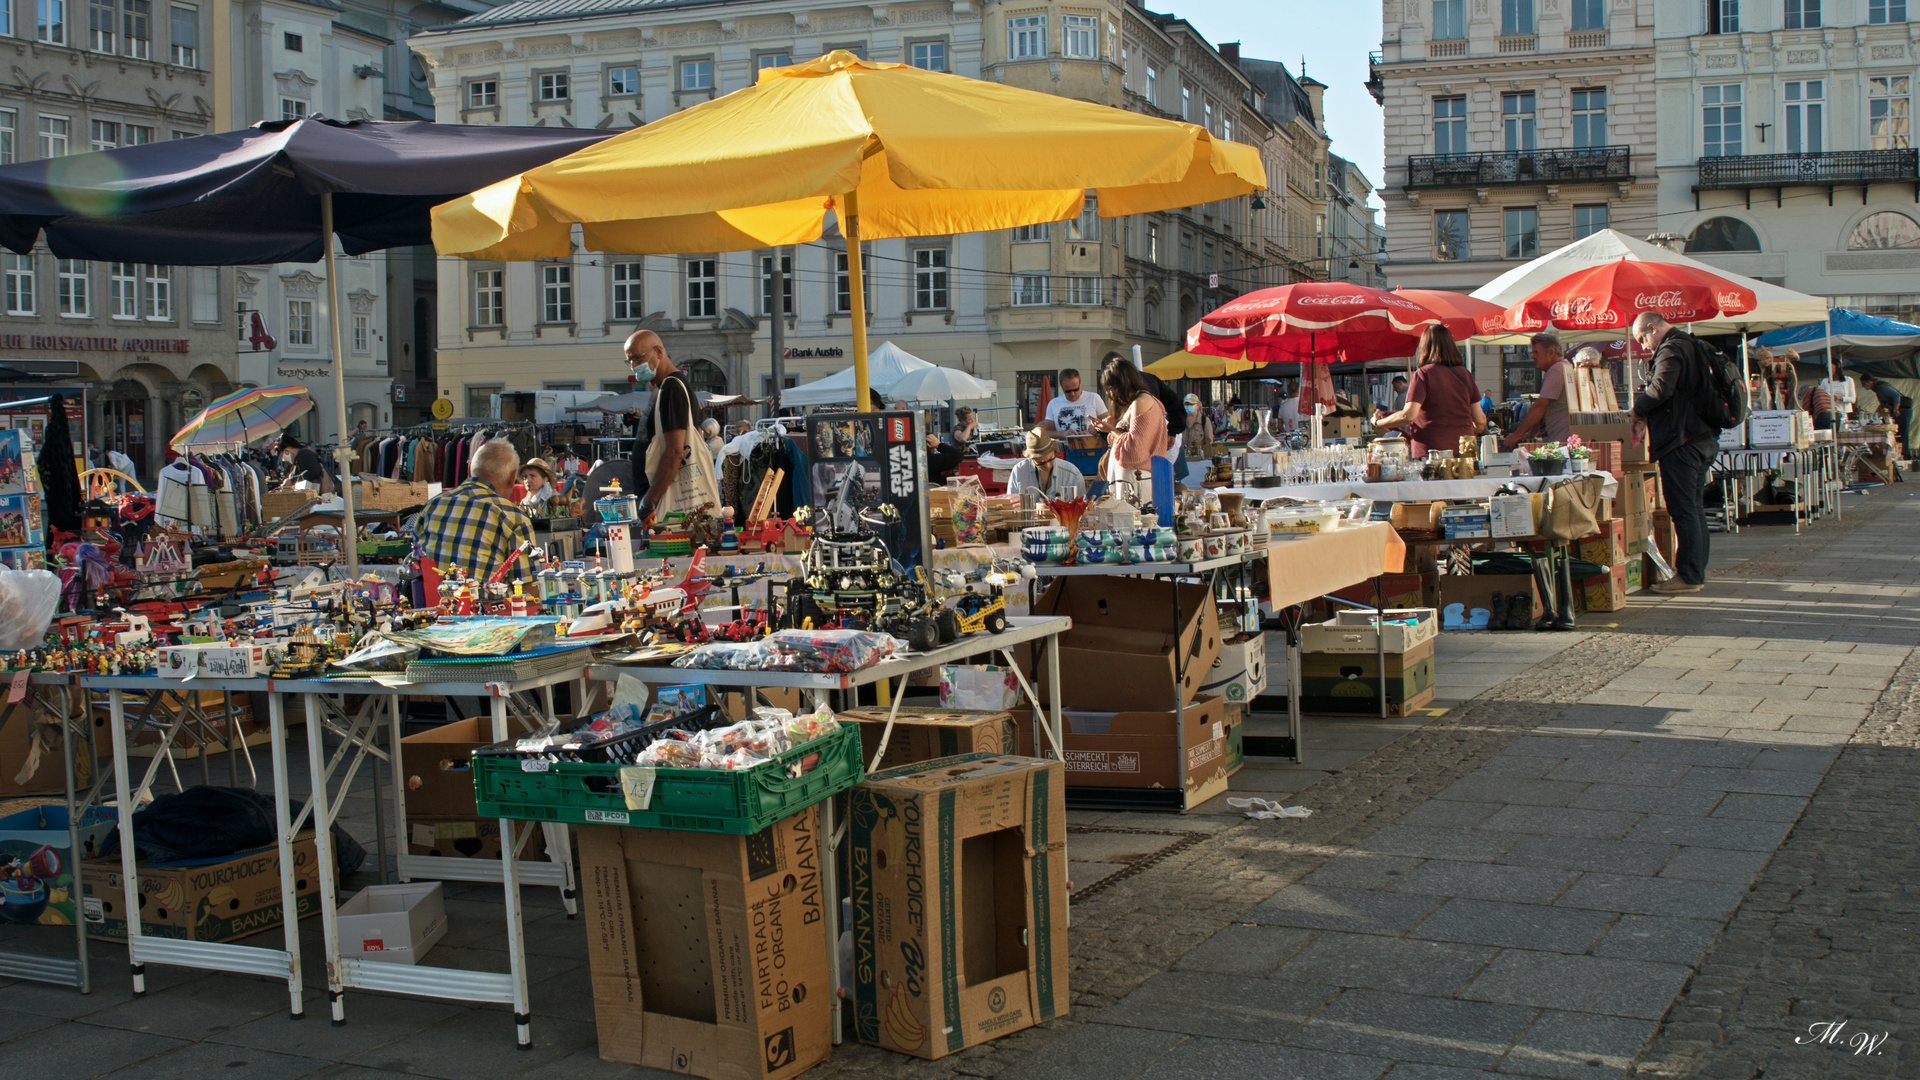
(1552, 451)
(1577, 450)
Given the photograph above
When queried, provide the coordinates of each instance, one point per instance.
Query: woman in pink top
(1443, 401)
(1136, 424)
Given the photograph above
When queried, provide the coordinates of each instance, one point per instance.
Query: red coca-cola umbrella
(1465, 315)
(1312, 321)
(1612, 294)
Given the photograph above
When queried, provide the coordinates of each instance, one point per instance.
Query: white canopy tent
(1778, 306)
(886, 366)
(940, 384)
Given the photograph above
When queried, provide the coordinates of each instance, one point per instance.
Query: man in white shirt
(1073, 411)
(1287, 413)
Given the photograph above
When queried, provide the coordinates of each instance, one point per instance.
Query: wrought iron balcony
(1597, 164)
(1818, 170)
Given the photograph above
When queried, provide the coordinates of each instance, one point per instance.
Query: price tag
(534, 765)
(17, 692)
(636, 783)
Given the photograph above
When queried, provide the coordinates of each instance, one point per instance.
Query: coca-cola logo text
(1342, 300)
(1669, 299)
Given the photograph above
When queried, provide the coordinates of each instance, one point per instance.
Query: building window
(1806, 103)
(1588, 220)
(696, 74)
(1523, 232)
(158, 284)
(772, 60)
(204, 281)
(1803, 14)
(56, 133)
(1153, 242)
(786, 284)
(480, 399)
(623, 81)
(293, 43)
(1226, 128)
(1087, 226)
(483, 93)
(123, 291)
(1720, 120)
(9, 131)
(106, 135)
(1450, 125)
(53, 22)
(1153, 86)
(489, 297)
(930, 279)
(103, 25)
(1590, 117)
(1078, 34)
(555, 86)
(1516, 17)
(1888, 125)
(1027, 37)
(1186, 252)
(1449, 20)
(1723, 16)
(362, 333)
(291, 109)
(1883, 230)
(1151, 322)
(1886, 11)
(1031, 290)
(1083, 290)
(184, 23)
(300, 324)
(929, 55)
(137, 22)
(1025, 234)
(1589, 15)
(19, 271)
(627, 305)
(703, 288)
(556, 293)
(1516, 120)
(1722, 234)
(1186, 103)
(137, 135)
(843, 282)
(1206, 117)
(71, 287)
(178, 134)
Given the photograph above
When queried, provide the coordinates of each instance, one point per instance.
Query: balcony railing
(1519, 43)
(1444, 49)
(1784, 170)
(1587, 39)
(1596, 164)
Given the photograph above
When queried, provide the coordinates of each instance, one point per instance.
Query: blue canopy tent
(1869, 343)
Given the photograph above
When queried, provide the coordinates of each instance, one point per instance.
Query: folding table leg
(323, 854)
(123, 805)
(510, 840)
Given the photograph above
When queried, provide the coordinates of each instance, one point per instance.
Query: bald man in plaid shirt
(476, 526)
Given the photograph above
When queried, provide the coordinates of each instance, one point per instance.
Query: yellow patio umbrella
(1186, 365)
(889, 149)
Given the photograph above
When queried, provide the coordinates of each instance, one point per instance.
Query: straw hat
(1039, 442)
(544, 469)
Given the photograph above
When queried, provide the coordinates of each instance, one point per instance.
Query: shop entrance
(123, 427)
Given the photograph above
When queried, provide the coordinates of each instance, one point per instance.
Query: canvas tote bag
(695, 485)
(1573, 508)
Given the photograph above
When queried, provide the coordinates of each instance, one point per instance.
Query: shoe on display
(1497, 620)
(1676, 587)
(1519, 610)
(1563, 615)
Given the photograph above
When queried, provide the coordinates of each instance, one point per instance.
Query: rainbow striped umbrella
(238, 419)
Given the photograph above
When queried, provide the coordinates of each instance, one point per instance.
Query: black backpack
(1722, 401)
(1172, 401)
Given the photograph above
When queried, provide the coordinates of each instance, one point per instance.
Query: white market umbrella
(886, 366)
(941, 384)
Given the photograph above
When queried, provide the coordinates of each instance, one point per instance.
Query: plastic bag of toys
(834, 651)
(28, 600)
(969, 505)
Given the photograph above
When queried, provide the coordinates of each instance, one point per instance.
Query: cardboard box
(1121, 651)
(959, 889)
(1734, 438)
(1139, 749)
(1476, 590)
(207, 900)
(463, 837)
(1608, 547)
(1606, 592)
(1342, 427)
(1349, 683)
(395, 924)
(21, 522)
(1608, 509)
(439, 767)
(1511, 516)
(31, 557)
(924, 734)
(1396, 590)
(1776, 429)
(19, 469)
(38, 861)
(1240, 674)
(1236, 724)
(708, 952)
(1620, 429)
(234, 662)
(1358, 632)
(179, 661)
(16, 747)
(1638, 529)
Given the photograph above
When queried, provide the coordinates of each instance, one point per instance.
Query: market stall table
(1872, 451)
(1818, 466)
(1406, 490)
(74, 728)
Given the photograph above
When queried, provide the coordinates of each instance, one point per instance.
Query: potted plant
(1579, 455)
(1547, 460)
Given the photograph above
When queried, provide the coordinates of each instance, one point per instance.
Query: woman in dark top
(1443, 401)
(306, 464)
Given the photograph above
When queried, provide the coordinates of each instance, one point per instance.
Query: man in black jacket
(1681, 443)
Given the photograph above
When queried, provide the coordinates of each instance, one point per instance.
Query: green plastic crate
(737, 801)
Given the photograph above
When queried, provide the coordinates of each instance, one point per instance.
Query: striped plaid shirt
(474, 528)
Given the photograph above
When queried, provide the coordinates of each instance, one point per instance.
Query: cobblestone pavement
(1535, 883)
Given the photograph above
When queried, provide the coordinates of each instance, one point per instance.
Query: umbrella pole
(849, 209)
(349, 532)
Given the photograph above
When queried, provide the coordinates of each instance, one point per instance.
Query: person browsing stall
(673, 437)
(1840, 386)
(1073, 410)
(1549, 410)
(304, 463)
(543, 486)
(1443, 401)
(1679, 441)
(1139, 434)
(476, 526)
(1041, 469)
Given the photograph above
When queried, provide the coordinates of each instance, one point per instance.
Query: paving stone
(1355, 910)
(1750, 807)
(1658, 938)
(1558, 821)
(74, 1050)
(1710, 832)
(1403, 1026)
(1589, 984)
(1653, 896)
(1446, 814)
(1503, 789)
(1222, 1006)
(1639, 773)
(1095, 1051)
(1385, 963)
(1460, 844)
(385, 1020)
(1240, 949)
(1211, 1059)
(1361, 870)
(1576, 853)
(1577, 1046)
(1481, 881)
(1715, 864)
(196, 1061)
(1693, 752)
(1757, 780)
(1420, 1070)
(15, 1024)
(1517, 926)
(444, 1049)
(1647, 800)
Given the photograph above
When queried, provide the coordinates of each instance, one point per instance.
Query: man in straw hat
(1044, 472)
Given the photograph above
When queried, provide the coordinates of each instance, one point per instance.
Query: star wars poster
(868, 473)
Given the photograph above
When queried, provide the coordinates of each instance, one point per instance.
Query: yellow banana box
(216, 900)
(708, 952)
(959, 887)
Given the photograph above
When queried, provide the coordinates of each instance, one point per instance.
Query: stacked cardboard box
(1340, 662)
(1620, 543)
(441, 817)
(924, 734)
(208, 900)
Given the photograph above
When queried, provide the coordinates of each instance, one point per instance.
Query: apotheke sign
(809, 353)
(56, 343)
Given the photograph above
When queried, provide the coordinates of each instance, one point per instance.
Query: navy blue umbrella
(269, 193)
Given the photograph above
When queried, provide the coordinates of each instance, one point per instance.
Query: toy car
(979, 612)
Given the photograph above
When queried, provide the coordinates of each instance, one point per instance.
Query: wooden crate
(275, 505)
(376, 493)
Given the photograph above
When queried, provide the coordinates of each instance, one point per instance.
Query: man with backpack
(1685, 405)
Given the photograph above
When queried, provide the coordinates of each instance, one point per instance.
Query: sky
(1335, 36)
